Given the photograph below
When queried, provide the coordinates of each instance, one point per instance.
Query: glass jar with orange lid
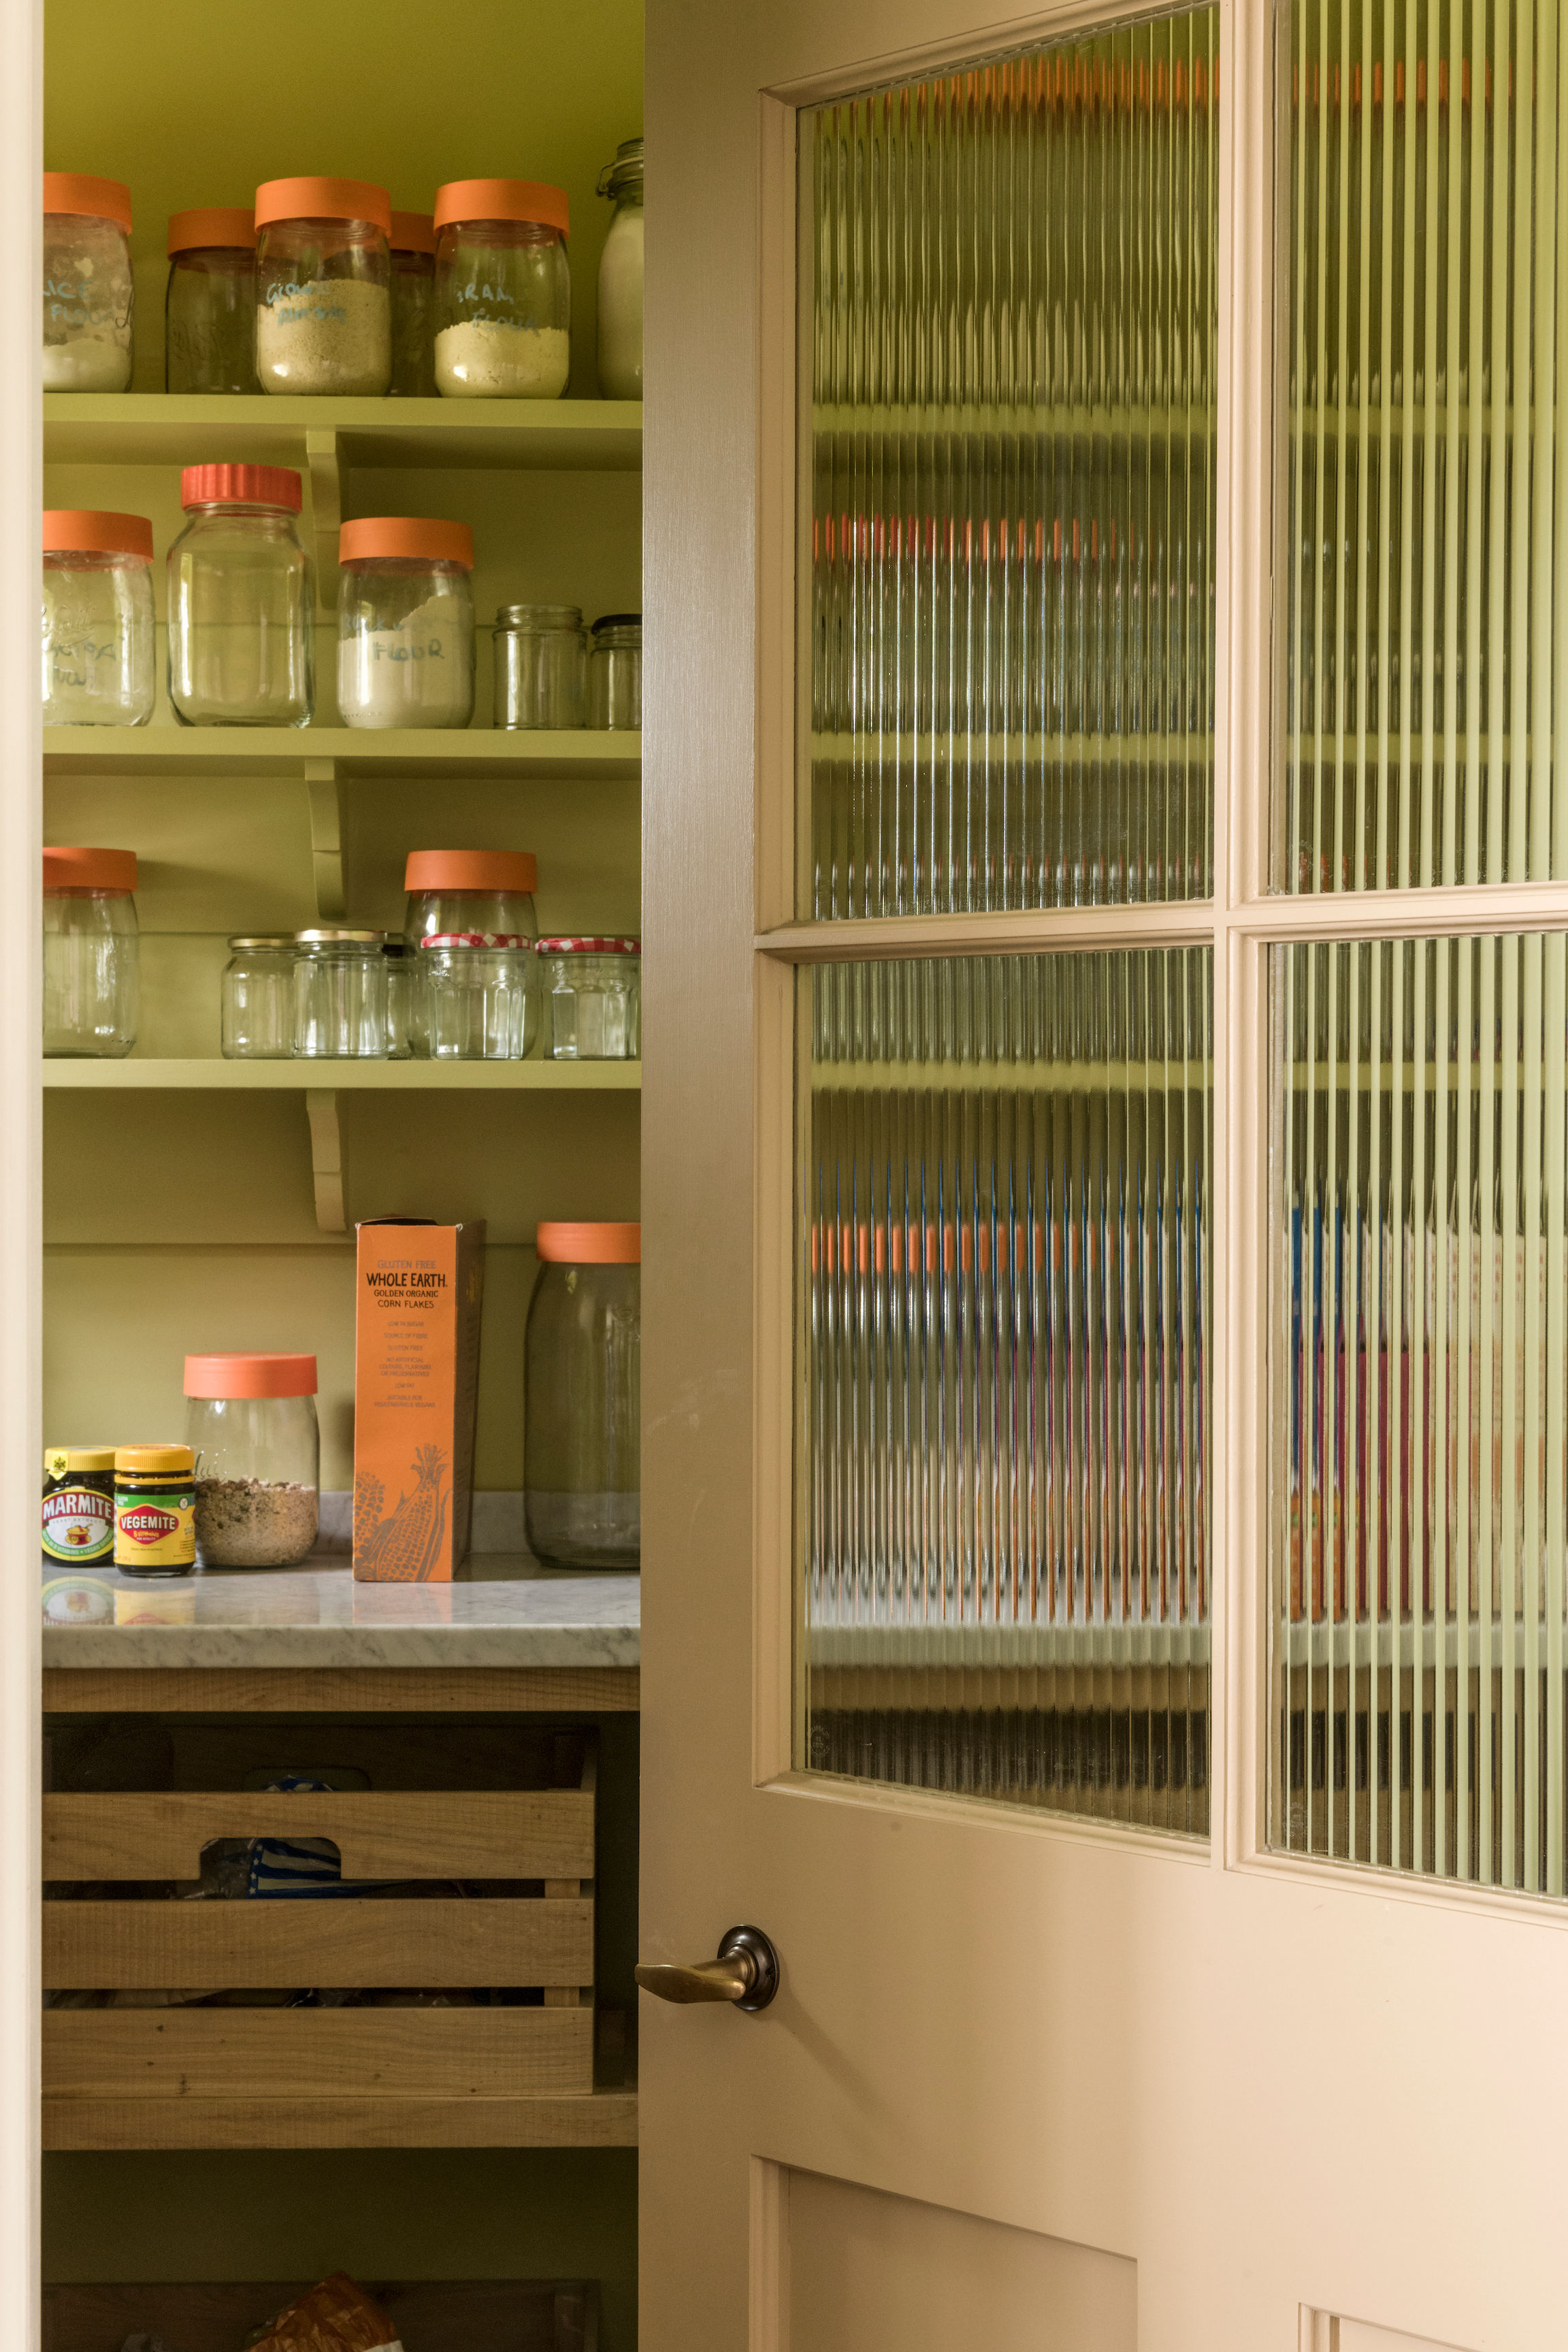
(91, 954)
(475, 990)
(209, 309)
(323, 287)
(504, 290)
(405, 622)
(90, 297)
(582, 1397)
(250, 1423)
(99, 657)
(412, 246)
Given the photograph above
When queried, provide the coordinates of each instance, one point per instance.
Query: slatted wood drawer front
(311, 2054)
(206, 1947)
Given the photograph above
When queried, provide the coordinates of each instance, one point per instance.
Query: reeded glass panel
(1003, 1504)
(1014, 305)
(1419, 1468)
(1426, 642)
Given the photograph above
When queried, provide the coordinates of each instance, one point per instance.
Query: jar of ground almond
(250, 1423)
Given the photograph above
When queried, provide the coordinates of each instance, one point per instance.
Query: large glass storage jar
(541, 654)
(614, 671)
(467, 899)
(323, 287)
(91, 961)
(341, 996)
(89, 298)
(504, 290)
(209, 309)
(250, 1423)
(240, 600)
(405, 622)
(592, 996)
(413, 244)
(477, 1004)
(620, 276)
(582, 1398)
(257, 996)
(99, 668)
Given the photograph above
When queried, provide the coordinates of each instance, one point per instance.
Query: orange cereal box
(418, 1294)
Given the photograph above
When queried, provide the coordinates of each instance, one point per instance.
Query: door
(1106, 1123)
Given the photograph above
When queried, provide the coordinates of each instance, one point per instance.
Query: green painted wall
(196, 101)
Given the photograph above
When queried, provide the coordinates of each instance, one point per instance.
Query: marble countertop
(502, 1610)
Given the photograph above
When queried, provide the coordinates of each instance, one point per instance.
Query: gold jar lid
(175, 1458)
(76, 1461)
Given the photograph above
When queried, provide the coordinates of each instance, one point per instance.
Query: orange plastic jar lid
(80, 192)
(406, 535)
(240, 486)
(568, 1244)
(504, 200)
(413, 233)
(154, 1457)
(471, 869)
(349, 200)
(91, 531)
(250, 1376)
(90, 869)
(209, 226)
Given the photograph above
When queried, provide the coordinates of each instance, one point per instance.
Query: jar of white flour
(405, 622)
(323, 280)
(504, 290)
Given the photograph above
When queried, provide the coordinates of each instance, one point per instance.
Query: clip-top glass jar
(413, 244)
(98, 619)
(540, 666)
(250, 1423)
(620, 276)
(91, 964)
(323, 287)
(257, 995)
(90, 297)
(209, 310)
(240, 600)
(504, 290)
(593, 990)
(614, 671)
(405, 622)
(583, 1400)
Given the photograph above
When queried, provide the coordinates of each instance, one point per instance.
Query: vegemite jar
(154, 1510)
(79, 1506)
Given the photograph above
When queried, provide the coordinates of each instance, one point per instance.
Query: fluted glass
(1426, 638)
(1005, 1388)
(1012, 464)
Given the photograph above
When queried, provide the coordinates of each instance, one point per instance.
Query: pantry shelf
(473, 753)
(448, 1078)
(191, 429)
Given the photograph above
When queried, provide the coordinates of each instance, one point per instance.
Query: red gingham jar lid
(583, 946)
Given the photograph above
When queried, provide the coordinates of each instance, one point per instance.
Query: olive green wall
(196, 101)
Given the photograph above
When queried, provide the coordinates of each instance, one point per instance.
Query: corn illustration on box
(416, 1373)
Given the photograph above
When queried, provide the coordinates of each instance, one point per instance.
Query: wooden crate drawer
(304, 2054)
(208, 1947)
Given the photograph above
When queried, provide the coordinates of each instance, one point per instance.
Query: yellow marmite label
(156, 1531)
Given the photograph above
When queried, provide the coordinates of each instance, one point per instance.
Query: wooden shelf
(583, 2119)
(151, 428)
(582, 754)
(340, 1077)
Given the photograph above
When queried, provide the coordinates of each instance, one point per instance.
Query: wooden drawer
(184, 2076)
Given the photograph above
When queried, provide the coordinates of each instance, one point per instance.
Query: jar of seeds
(250, 1423)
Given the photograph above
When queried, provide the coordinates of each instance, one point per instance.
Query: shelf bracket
(327, 509)
(326, 1158)
(326, 836)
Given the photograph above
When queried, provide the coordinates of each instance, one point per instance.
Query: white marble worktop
(502, 1610)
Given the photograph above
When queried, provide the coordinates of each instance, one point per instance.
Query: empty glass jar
(477, 1004)
(98, 619)
(504, 290)
(471, 920)
(257, 997)
(91, 961)
(209, 310)
(582, 1398)
(341, 996)
(405, 622)
(323, 287)
(540, 666)
(413, 244)
(614, 671)
(250, 1423)
(89, 298)
(470, 898)
(592, 995)
(240, 600)
(620, 276)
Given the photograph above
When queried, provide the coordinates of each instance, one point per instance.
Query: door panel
(874, 2273)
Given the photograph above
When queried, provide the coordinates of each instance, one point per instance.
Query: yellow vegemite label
(155, 1530)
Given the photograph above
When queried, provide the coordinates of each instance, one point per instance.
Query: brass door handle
(746, 1973)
